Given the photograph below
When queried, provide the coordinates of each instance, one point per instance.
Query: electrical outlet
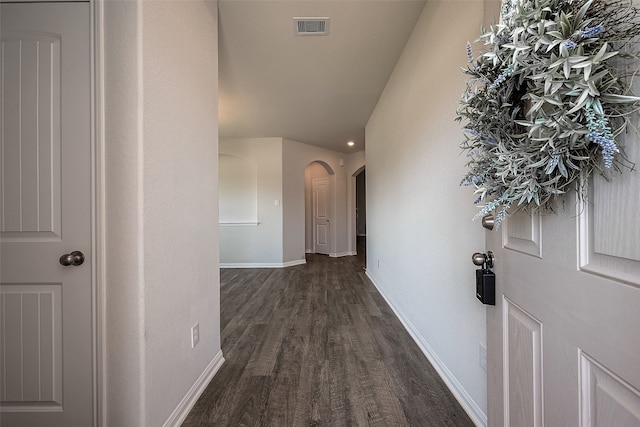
(195, 335)
(483, 357)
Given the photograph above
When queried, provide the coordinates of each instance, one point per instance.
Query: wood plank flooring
(316, 345)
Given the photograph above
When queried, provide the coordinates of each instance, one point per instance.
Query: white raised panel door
(45, 211)
(564, 337)
(321, 221)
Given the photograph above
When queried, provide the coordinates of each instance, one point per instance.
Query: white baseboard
(294, 262)
(184, 407)
(262, 264)
(341, 254)
(469, 405)
(250, 265)
(334, 255)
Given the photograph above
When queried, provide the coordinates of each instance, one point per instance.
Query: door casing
(98, 192)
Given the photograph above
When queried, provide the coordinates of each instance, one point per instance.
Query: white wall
(279, 239)
(296, 157)
(161, 208)
(238, 190)
(259, 245)
(420, 236)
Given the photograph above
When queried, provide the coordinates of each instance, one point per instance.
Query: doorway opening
(361, 216)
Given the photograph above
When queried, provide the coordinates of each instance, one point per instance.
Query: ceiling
(319, 90)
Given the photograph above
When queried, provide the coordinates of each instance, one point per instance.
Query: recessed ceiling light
(351, 143)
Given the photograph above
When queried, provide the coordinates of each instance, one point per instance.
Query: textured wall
(296, 157)
(261, 244)
(279, 240)
(420, 236)
(161, 204)
(180, 206)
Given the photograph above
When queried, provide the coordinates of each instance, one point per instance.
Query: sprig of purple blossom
(589, 32)
(501, 78)
(600, 133)
(492, 205)
(480, 135)
(502, 214)
(466, 182)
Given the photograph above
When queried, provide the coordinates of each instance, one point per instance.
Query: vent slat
(311, 26)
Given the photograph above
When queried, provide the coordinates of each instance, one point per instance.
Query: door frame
(353, 211)
(98, 273)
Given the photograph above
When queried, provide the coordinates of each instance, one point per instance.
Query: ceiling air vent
(311, 26)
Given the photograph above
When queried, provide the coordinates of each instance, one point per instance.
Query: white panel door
(564, 337)
(45, 212)
(321, 221)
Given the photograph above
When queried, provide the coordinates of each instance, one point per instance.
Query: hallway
(316, 344)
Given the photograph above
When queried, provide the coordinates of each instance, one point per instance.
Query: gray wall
(279, 238)
(161, 145)
(297, 157)
(257, 244)
(420, 236)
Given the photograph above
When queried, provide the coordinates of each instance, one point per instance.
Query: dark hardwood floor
(315, 345)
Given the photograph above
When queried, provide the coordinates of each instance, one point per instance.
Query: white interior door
(45, 212)
(564, 337)
(321, 220)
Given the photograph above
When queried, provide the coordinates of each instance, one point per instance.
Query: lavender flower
(591, 31)
(489, 207)
(478, 79)
(608, 146)
(501, 78)
(502, 214)
(469, 53)
(600, 133)
(570, 45)
(473, 181)
(473, 152)
(480, 135)
(473, 132)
